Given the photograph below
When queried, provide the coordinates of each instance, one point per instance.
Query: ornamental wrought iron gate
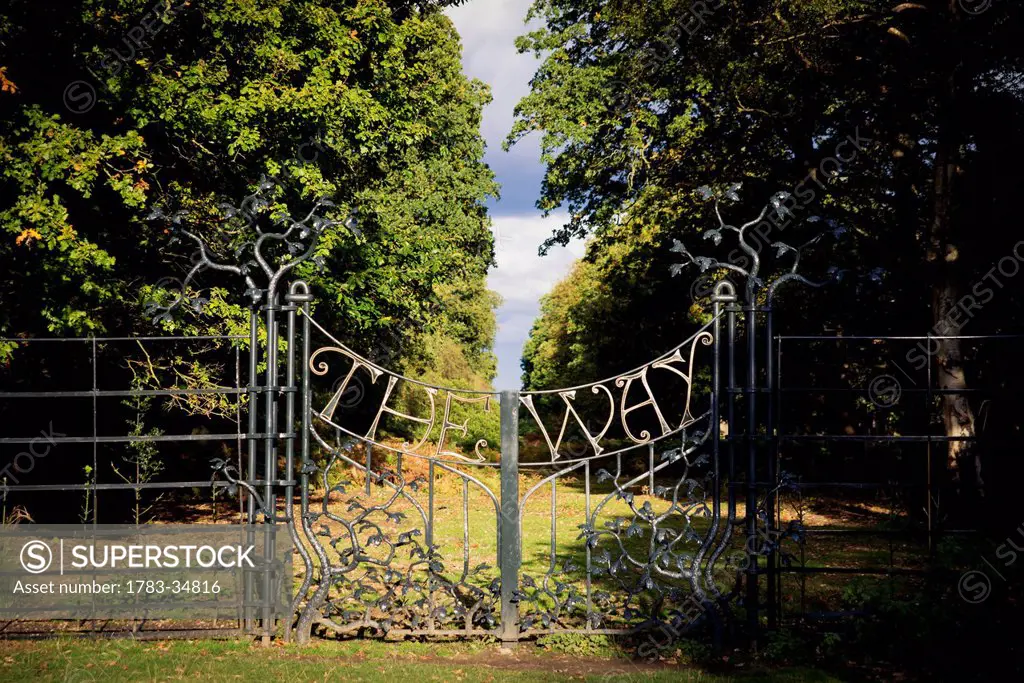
(644, 532)
(643, 529)
(382, 556)
(645, 503)
(660, 483)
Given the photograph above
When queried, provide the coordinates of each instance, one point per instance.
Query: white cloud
(489, 29)
(522, 278)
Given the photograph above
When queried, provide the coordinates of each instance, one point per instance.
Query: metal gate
(432, 541)
(647, 532)
(657, 486)
(647, 503)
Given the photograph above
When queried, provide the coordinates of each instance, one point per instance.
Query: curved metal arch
(421, 456)
(668, 354)
(391, 373)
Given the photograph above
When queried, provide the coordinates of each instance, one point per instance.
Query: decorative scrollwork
(672, 362)
(230, 472)
(641, 566)
(380, 569)
(298, 238)
(770, 539)
(753, 283)
(355, 364)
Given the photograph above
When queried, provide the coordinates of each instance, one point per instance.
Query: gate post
(253, 406)
(509, 548)
(752, 600)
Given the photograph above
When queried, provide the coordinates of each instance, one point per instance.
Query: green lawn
(124, 660)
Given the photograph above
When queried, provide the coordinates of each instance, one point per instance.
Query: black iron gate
(380, 527)
(648, 502)
(668, 527)
(382, 555)
(641, 504)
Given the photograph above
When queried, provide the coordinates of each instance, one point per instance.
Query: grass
(124, 660)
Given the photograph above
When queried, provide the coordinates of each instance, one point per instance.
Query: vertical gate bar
(307, 407)
(586, 503)
(716, 438)
(95, 436)
(509, 555)
(554, 526)
(732, 431)
(751, 505)
(95, 451)
(430, 504)
(929, 402)
(238, 423)
(369, 464)
(289, 412)
(773, 469)
(269, 458)
(430, 539)
(799, 497)
(731, 412)
(253, 406)
(554, 521)
(465, 530)
(777, 402)
(289, 444)
(650, 469)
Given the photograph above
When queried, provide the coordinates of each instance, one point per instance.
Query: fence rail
(636, 520)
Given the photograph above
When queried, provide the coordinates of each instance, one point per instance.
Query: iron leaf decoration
(754, 284)
(643, 554)
(382, 573)
(253, 260)
(230, 472)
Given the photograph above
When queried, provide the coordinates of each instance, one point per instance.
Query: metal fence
(678, 496)
(663, 500)
(86, 438)
(879, 445)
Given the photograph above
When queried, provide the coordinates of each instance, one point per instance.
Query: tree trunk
(944, 255)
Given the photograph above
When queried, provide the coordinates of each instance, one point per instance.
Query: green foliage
(88, 509)
(895, 611)
(640, 104)
(694, 651)
(364, 102)
(831, 646)
(457, 355)
(557, 351)
(142, 463)
(784, 645)
(610, 313)
(449, 367)
(580, 645)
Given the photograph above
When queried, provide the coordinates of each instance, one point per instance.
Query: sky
(489, 29)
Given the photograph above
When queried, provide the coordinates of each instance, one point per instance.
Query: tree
(877, 119)
(363, 102)
(110, 108)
